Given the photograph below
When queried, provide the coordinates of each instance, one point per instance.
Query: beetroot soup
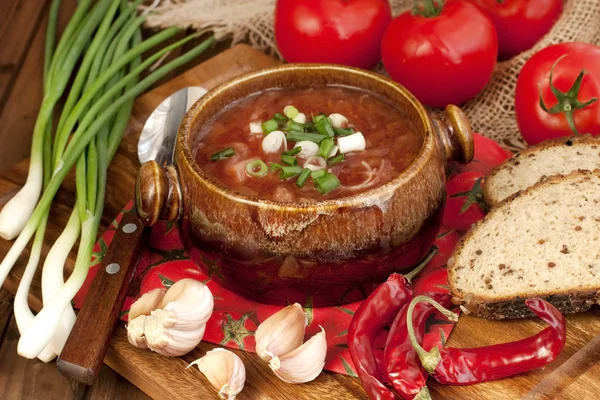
(306, 145)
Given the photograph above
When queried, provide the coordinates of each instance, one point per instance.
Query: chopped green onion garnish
(269, 126)
(289, 171)
(318, 118)
(300, 136)
(257, 168)
(318, 173)
(326, 183)
(290, 160)
(293, 126)
(324, 127)
(309, 126)
(219, 155)
(303, 177)
(282, 119)
(325, 149)
(337, 159)
(344, 132)
(292, 152)
(290, 112)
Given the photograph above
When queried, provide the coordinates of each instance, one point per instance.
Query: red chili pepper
(453, 366)
(370, 319)
(404, 369)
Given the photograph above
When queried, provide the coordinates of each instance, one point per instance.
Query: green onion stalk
(93, 121)
(23, 314)
(17, 211)
(109, 107)
(52, 272)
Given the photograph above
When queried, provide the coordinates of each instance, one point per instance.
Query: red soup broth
(392, 143)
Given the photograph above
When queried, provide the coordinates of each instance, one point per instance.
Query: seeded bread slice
(552, 157)
(541, 242)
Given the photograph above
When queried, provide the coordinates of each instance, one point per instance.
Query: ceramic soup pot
(321, 253)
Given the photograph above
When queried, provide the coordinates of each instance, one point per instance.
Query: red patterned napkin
(235, 318)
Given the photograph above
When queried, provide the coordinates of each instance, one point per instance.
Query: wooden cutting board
(574, 375)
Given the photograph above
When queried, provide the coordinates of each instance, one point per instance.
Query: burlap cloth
(491, 112)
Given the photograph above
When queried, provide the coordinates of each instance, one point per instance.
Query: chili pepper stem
(567, 102)
(423, 394)
(429, 359)
(432, 252)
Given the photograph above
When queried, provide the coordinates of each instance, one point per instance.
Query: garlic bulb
(303, 364)
(224, 370)
(281, 333)
(145, 304)
(171, 322)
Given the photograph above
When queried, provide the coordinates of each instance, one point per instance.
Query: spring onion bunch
(100, 53)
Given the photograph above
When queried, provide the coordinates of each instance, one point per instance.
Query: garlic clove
(304, 363)
(281, 333)
(224, 370)
(145, 304)
(188, 303)
(135, 332)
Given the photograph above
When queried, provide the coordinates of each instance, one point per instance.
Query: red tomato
(345, 32)
(444, 59)
(569, 60)
(488, 155)
(521, 23)
(464, 204)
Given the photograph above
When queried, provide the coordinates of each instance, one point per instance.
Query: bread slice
(541, 242)
(552, 157)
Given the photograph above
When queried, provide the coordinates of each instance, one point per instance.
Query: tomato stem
(567, 102)
(430, 8)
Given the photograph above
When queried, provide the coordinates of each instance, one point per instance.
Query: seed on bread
(537, 163)
(539, 246)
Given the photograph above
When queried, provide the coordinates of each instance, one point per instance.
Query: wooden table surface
(574, 375)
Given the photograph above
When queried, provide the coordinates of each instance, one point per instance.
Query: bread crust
(566, 303)
(512, 308)
(488, 196)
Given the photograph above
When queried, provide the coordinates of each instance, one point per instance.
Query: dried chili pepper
(370, 319)
(404, 369)
(453, 366)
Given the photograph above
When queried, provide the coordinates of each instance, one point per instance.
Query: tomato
(344, 32)
(571, 109)
(521, 23)
(488, 155)
(464, 204)
(443, 59)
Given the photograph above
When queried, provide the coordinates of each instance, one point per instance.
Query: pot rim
(369, 197)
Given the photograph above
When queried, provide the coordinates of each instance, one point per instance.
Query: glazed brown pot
(327, 252)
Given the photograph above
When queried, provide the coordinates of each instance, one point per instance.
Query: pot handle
(157, 193)
(455, 134)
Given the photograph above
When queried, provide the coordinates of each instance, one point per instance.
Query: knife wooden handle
(84, 351)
